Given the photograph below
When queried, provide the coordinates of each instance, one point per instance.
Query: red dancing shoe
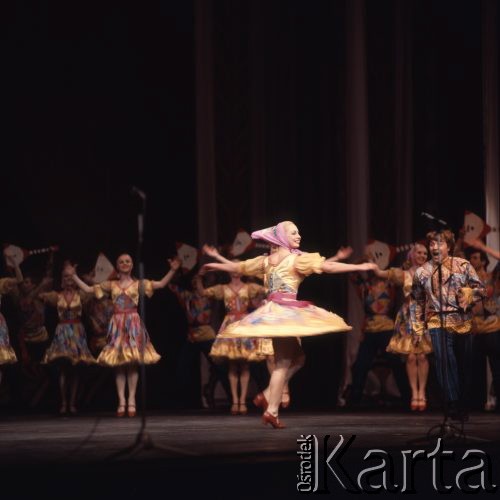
(268, 418)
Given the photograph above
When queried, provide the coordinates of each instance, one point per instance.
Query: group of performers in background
(451, 309)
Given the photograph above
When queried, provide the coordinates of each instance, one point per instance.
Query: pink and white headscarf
(275, 235)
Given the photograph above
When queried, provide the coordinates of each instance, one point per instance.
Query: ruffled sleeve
(252, 267)
(102, 289)
(49, 298)
(7, 285)
(148, 288)
(214, 292)
(309, 263)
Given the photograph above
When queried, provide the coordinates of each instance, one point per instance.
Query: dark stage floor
(216, 455)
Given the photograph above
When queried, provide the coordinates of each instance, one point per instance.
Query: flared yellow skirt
(276, 320)
(126, 355)
(403, 344)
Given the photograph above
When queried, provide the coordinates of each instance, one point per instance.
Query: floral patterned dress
(70, 340)
(128, 340)
(402, 340)
(282, 315)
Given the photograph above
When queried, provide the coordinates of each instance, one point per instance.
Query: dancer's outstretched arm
(175, 264)
(326, 266)
(229, 267)
(214, 253)
(381, 273)
(339, 267)
(82, 285)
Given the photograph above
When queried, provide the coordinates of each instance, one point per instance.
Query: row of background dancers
(112, 307)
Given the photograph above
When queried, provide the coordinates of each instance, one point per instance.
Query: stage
(216, 455)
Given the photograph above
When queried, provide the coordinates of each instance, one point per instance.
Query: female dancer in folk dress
(128, 340)
(282, 316)
(69, 346)
(342, 254)
(417, 364)
(238, 352)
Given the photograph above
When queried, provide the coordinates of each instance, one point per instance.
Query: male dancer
(444, 291)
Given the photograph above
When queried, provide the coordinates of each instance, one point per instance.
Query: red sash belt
(288, 299)
(69, 321)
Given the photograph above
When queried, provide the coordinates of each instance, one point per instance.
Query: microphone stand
(143, 440)
(143, 437)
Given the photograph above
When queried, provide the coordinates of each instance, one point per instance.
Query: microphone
(431, 217)
(138, 192)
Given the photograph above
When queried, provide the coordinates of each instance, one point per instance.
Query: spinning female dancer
(282, 316)
(342, 254)
(128, 341)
